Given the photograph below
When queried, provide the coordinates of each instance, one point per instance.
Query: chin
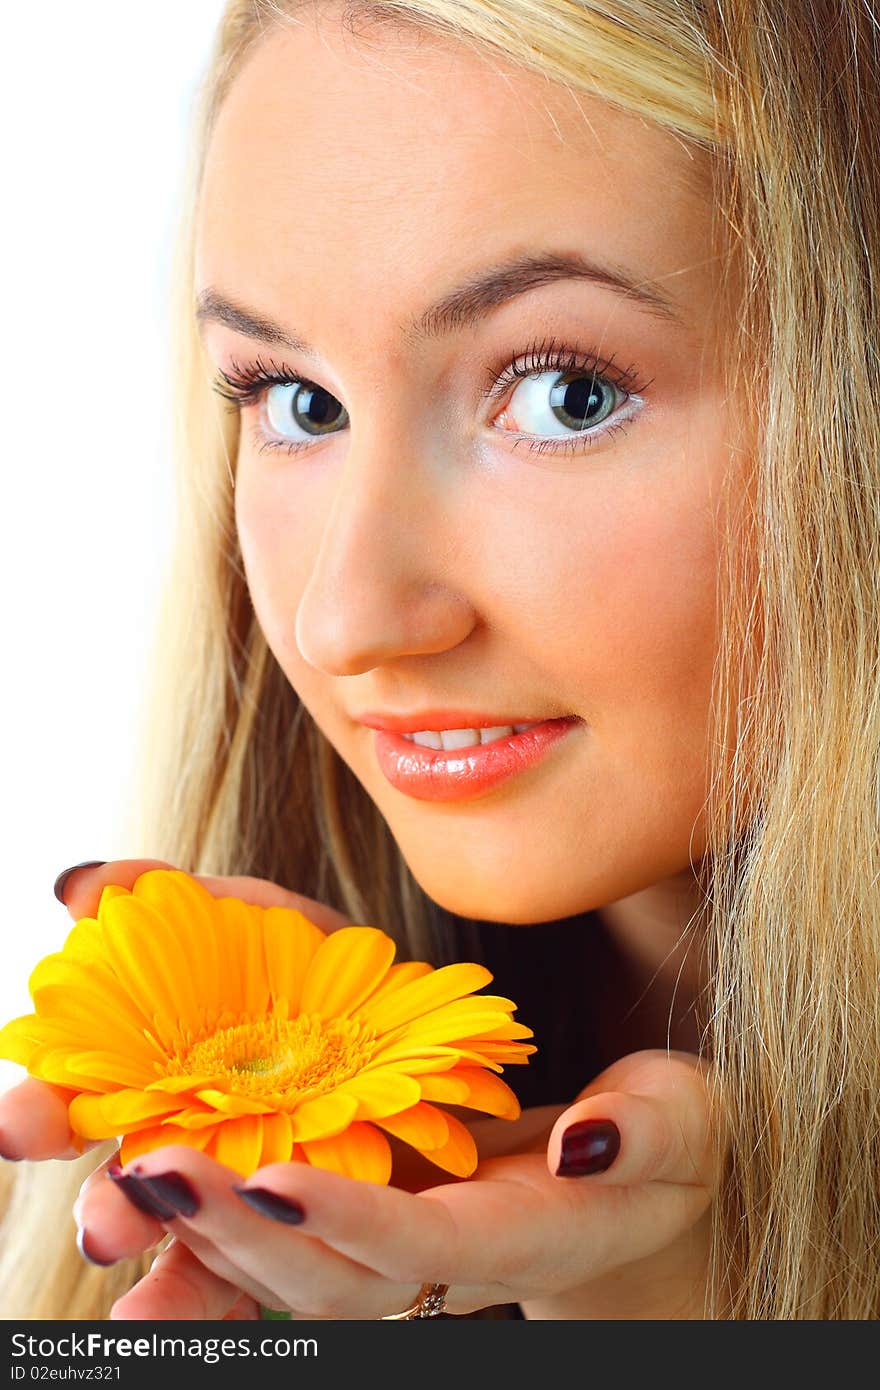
(517, 903)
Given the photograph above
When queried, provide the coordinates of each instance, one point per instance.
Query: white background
(95, 101)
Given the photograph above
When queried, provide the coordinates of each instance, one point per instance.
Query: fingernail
(62, 878)
(82, 1241)
(590, 1146)
(174, 1189)
(270, 1204)
(4, 1152)
(140, 1195)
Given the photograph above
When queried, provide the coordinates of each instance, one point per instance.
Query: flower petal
(84, 940)
(142, 948)
(231, 1103)
(445, 1086)
(238, 1144)
(59, 1065)
(175, 1085)
(350, 964)
(195, 1118)
(493, 1054)
(459, 1154)
(423, 995)
(240, 947)
(502, 1032)
(20, 1038)
(322, 1117)
(422, 1126)
(361, 1151)
(454, 1022)
(145, 1140)
(382, 1091)
(190, 912)
(103, 1117)
(110, 890)
(96, 1018)
(96, 975)
(413, 1057)
(486, 1091)
(277, 1139)
(110, 1067)
(398, 975)
(290, 941)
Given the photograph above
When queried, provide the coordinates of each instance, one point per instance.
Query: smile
(458, 764)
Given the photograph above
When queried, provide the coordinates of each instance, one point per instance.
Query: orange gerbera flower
(248, 1032)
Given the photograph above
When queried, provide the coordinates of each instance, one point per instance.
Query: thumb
(84, 885)
(645, 1119)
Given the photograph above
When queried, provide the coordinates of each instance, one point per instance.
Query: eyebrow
(465, 304)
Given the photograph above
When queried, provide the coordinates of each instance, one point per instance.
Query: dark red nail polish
(4, 1152)
(174, 1189)
(270, 1204)
(62, 878)
(82, 1241)
(589, 1146)
(140, 1196)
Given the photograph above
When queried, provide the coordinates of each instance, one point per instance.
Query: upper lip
(440, 719)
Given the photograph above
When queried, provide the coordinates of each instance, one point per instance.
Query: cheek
(615, 607)
(622, 598)
(276, 547)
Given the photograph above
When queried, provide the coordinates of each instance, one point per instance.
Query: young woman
(547, 334)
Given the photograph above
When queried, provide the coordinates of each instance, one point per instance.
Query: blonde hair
(783, 98)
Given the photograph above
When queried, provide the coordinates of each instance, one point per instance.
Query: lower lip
(459, 773)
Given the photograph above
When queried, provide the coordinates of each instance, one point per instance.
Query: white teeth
(459, 738)
(489, 735)
(427, 739)
(463, 738)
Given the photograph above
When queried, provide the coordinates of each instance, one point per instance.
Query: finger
(34, 1123)
(246, 1309)
(122, 1218)
(479, 1237)
(178, 1286)
(214, 1259)
(658, 1113)
(116, 1224)
(511, 1230)
(82, 890)
(277, 1263)
(408, 1238)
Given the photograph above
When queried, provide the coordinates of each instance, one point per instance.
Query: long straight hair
(784, 97)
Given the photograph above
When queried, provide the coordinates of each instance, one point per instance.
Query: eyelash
(246, 382)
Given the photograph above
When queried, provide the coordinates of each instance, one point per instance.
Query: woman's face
(430, 539)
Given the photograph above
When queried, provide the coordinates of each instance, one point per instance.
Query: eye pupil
(577, 398)
(311, 408)
(321, 407)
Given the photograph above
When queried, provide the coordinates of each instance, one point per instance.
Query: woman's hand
(629, 1242)
(33, 1113)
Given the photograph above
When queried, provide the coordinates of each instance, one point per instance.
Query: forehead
(416, 155)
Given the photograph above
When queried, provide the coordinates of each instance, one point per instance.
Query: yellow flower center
(296, 1058)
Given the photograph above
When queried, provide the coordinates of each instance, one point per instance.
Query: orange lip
(461, 773)
(438, 719)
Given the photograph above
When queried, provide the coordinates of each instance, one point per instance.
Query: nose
(382, 583)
